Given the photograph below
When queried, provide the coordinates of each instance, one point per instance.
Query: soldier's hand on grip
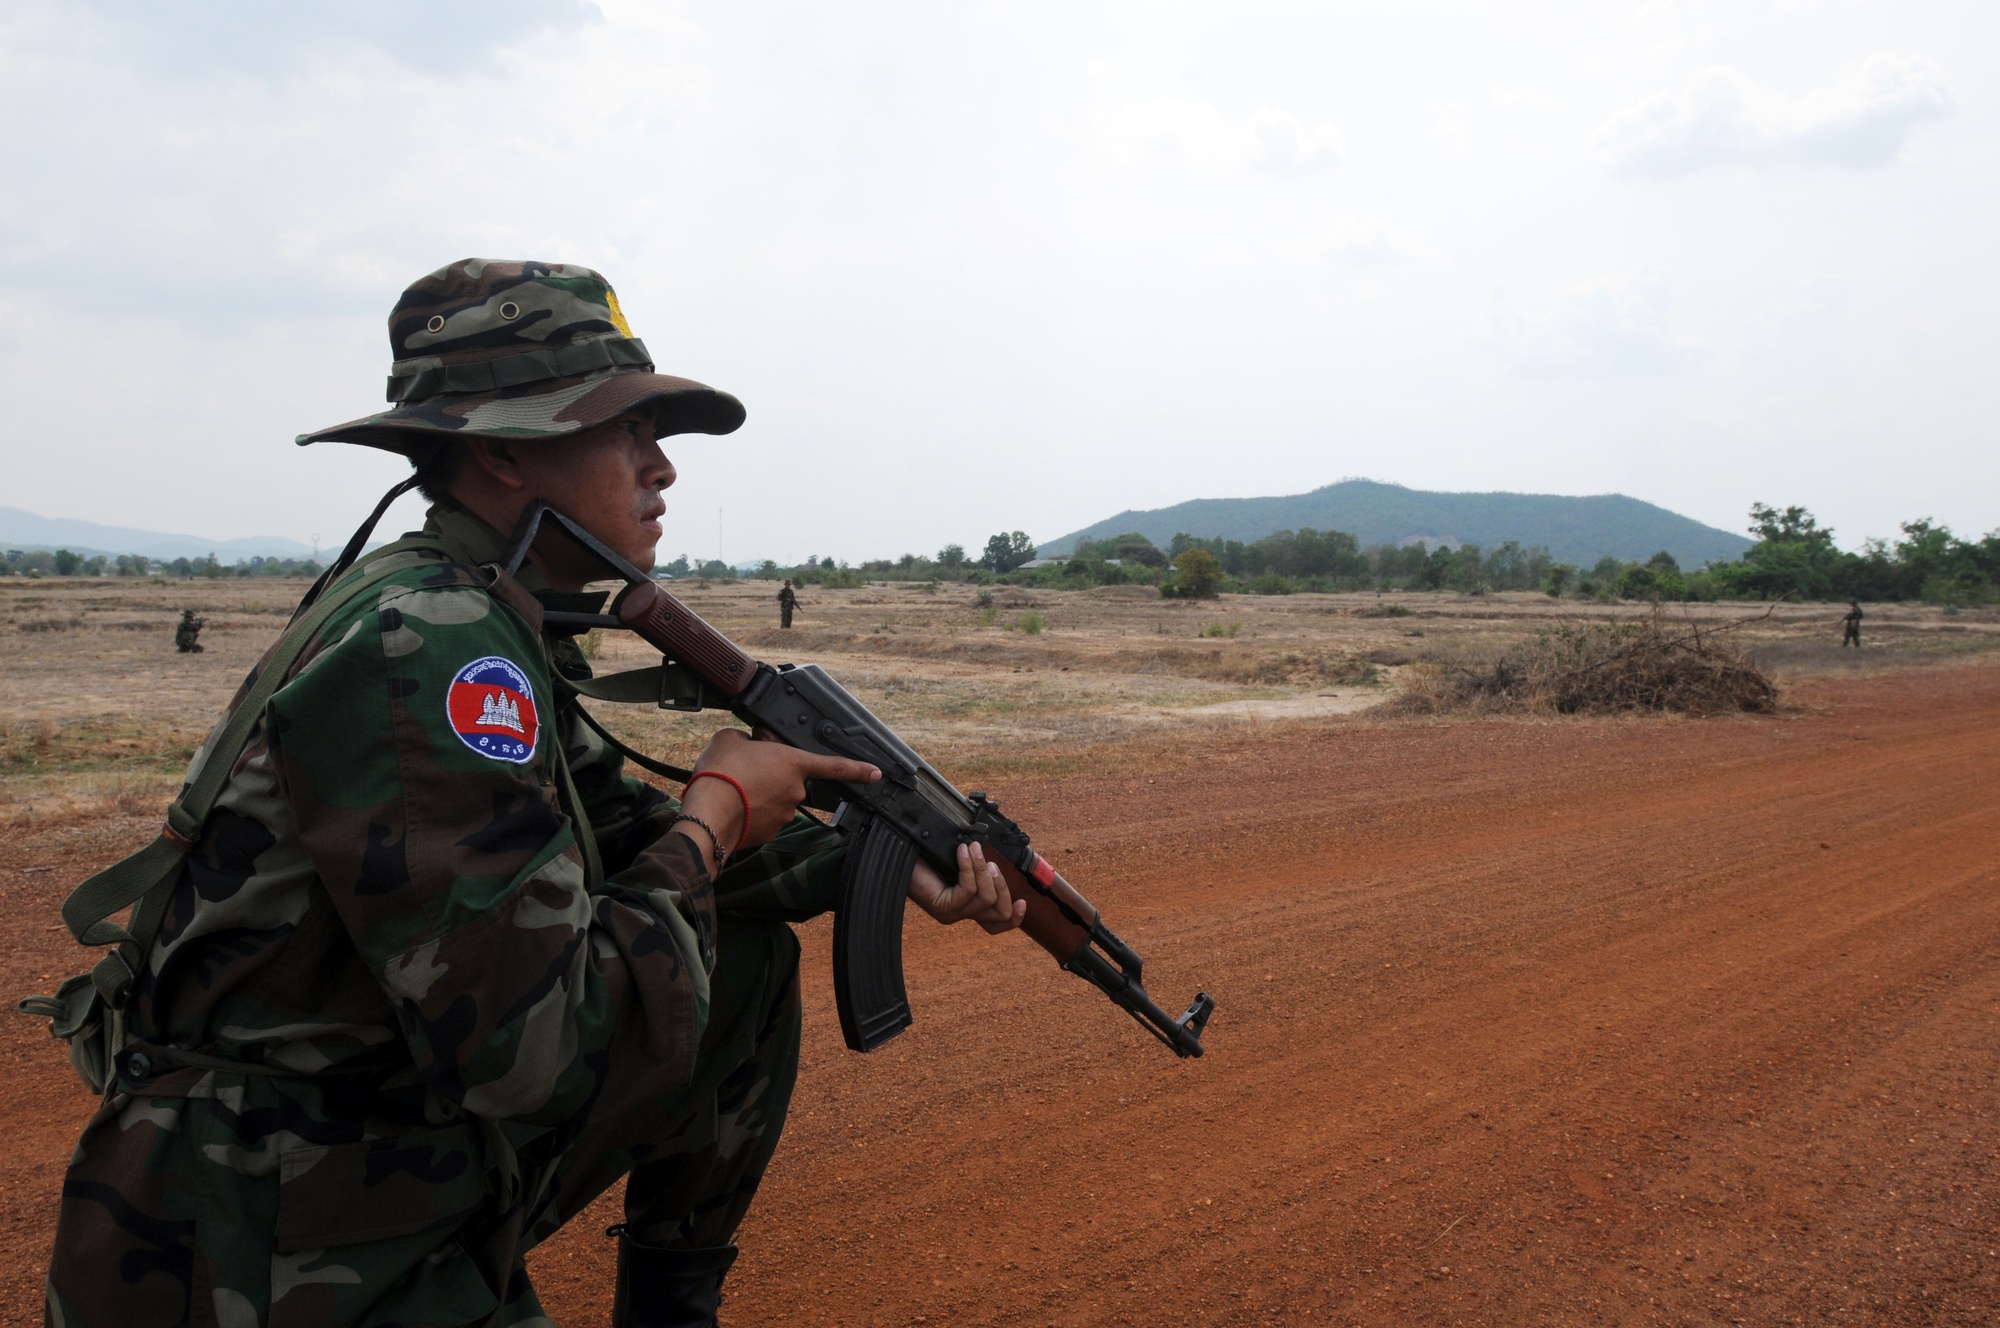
(773, 778)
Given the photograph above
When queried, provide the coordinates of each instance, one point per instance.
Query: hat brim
(679, 405)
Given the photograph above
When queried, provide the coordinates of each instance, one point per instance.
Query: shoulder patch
(491, 707)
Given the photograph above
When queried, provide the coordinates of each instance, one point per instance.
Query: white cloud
(1359, 243)
(1449, 124)
(1614, 329)
(1506, 97)
(918, 236)
(1722, 118)
(250, 37)
(341, 174)
(1195, 131)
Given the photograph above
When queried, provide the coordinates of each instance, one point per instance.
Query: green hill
(1574, 530)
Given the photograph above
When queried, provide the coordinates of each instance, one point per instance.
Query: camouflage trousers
(292, 1202)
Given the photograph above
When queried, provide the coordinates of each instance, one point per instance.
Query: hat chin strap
(354, 546)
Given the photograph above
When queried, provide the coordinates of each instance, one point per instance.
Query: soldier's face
(608, 478)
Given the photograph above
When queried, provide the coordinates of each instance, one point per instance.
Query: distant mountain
(1574, 530)
(25, 530)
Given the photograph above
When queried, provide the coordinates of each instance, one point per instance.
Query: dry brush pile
(1603, 668)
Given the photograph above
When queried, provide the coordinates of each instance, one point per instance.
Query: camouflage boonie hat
(500, 349)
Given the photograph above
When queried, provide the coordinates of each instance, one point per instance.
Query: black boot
(667, 1288)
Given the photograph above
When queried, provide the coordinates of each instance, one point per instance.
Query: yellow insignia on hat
(617, 314)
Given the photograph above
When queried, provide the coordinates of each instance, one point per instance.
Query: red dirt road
(1646, 1022)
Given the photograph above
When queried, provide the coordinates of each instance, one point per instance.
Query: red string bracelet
(733, 783)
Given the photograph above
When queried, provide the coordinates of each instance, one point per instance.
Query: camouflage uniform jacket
(388, 911)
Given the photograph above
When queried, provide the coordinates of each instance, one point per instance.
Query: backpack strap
(586, 836)
(146, 877)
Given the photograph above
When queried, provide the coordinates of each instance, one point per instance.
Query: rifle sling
(640, 759)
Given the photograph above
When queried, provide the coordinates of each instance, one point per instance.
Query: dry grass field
(104, 713)
(1521, 1020)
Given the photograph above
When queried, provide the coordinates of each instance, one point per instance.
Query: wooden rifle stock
(677, 631)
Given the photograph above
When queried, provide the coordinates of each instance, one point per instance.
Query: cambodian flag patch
(491, 707)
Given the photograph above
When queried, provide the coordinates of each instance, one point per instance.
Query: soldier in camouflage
(187, 632)
(436, 973)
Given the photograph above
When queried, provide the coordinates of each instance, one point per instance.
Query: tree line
(1793, 556)
(64, 562)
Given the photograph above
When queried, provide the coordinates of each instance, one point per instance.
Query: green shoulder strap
(586, 836)
(146, 877)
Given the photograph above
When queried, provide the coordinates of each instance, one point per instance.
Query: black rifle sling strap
(640, 759)
(352, 549)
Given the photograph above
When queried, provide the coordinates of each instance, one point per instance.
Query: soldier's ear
(497, 458)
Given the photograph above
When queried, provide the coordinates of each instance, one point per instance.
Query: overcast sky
(975, 267)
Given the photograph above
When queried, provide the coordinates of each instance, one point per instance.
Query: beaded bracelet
(714, 840)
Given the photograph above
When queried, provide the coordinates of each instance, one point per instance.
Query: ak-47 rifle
(912, 812)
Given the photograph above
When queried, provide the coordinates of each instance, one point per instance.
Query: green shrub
(835, 578)
(1222, 629)
(1196, 574)
(1029, 622)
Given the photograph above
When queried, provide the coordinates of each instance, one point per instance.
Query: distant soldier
(188, 633)
(788, 600)
(1852, 636)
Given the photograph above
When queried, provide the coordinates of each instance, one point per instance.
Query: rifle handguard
(1054, 924)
